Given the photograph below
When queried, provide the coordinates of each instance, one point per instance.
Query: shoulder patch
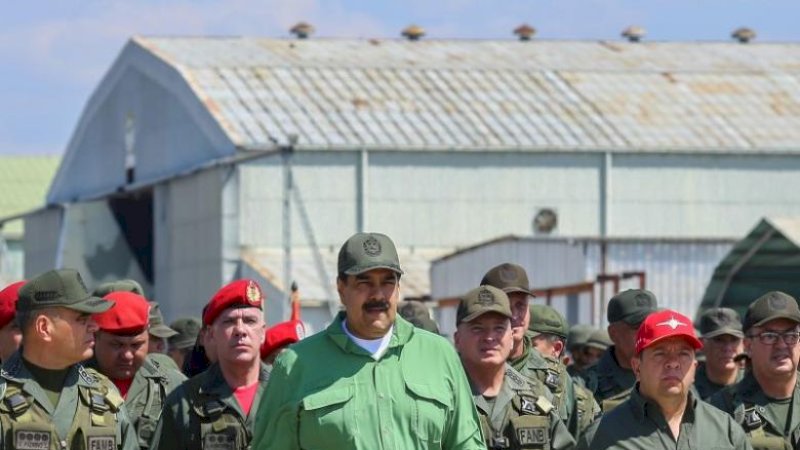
(88, 375)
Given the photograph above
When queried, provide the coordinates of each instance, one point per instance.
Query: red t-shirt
(123, 386)
(245, 396)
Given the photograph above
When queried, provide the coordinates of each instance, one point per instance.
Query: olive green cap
(62, 287)
(118, 286)
(187, 328)
(157, 326)
(417, 313)
(368, 251)
(508, 277)
(719, 321)
(546, 319)
(599, 339)
(631, 306)
(770, 306)
(482, 300)
(578, 335)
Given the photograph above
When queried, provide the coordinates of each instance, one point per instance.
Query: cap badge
(253, 293)
(372, 247)
(507, 274)
(641, 300)
(672, 323)
(777, 303)
(485, 297)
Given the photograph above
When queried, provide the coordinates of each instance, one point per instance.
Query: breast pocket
(430, 411)
(327, 419)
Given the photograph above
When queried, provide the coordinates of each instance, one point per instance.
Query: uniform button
(380, 396)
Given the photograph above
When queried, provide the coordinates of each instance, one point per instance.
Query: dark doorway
(134, 214)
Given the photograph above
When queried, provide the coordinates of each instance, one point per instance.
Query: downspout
(62, 238)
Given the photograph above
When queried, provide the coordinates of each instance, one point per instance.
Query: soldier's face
(10, 337)
(720, 351)
(521, 315)
(773, 361)
(370, 302)
(72, 335)
(485, 341)
(624, 337)
(665, 369)
(119, 357)
(237, 335)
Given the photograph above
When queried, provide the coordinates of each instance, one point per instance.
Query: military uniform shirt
(203, 413)
(638, 423)
(609, 382)
(759, 415)
(326, 393)
(705, 387)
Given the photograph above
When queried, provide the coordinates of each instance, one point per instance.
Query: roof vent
(413, 32)
(743, 35)
(545, 221)
(302, 30)
(525, 32)
(634, 33)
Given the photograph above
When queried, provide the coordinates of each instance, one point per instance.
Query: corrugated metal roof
(485, 95)
(23, 185)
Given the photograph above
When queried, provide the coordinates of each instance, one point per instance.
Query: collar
(645, 408)
(403, 331)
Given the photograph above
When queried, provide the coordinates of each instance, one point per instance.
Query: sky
(54, 53)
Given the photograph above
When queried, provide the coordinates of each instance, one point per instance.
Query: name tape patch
(32, 440)
(101, 443)
(532, 435)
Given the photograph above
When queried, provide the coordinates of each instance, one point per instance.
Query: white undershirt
(375, 347)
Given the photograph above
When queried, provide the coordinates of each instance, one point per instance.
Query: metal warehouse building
(176, 173)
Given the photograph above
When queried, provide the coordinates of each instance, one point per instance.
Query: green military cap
(482, 300)
(417, 313)
(578, 335)
(64, 288)
(546, 319)
(719, 321)
(187, 328)
(367, 251)
(599, 339)
(157, 326)
(508, 277)
(770, 306)
(118, 286)
(631, 306)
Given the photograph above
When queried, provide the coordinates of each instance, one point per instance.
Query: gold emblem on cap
(372, 247)
(485, 297)
(253, 293)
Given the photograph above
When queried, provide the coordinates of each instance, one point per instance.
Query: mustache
(375, 304)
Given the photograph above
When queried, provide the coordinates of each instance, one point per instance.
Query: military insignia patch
(507, 274)
(372, 247)
(527, 406)
(218, 441)
(532, 435)
(641, 300)
(485, 297)
(85, 376)
(101, 443)
(31, 440)
(777, 303)
(552, 379)
(253, 293)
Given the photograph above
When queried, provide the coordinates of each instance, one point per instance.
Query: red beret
(8, 302)
(129, 315)
(281, 335)
(241, 293)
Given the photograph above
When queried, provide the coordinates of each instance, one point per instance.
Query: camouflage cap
(482, 300)
(118, 286)
(508, 277)
(157, 326)
(62, 287)
(187, 328)
(417, 313)
(546, 319)
(578, 335)
(719, 321)
(599, 339)
(368, 251)
(631, 306)
(770, 306)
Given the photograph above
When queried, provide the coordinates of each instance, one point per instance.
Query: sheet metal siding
(40, 252)
(188, 249)
(692, 195)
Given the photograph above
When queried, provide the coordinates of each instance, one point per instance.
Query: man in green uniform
(49, 400)
(574, 403)
(180, 345)
(767, 400)
(721, 332)
(612, 378)
(216, 409)
(576, 342)
(662, 412)
(371, 380)
(121, 355)
(515, 413)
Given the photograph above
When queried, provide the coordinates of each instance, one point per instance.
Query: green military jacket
(610, 383)
(326, 392)
(203, 413)
(145, 400)
(89, 413)
(638, 423)
(705, 387)
(522, 417)
(752, 409)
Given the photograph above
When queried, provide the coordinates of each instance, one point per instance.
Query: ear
(636, 365)
(43, 327)
(558, 347)
(340, 285)
(456, 338)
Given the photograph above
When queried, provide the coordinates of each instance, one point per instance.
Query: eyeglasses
(771, 337)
